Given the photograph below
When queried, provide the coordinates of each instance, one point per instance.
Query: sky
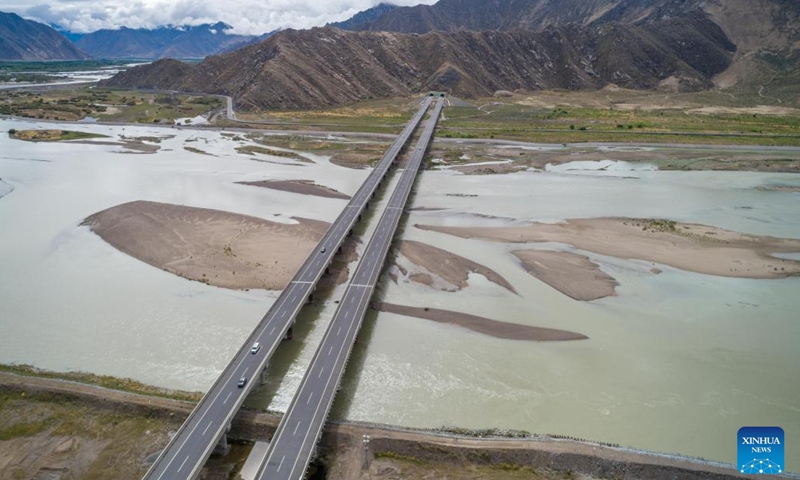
(251, 17)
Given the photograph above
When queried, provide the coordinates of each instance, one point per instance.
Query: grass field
(609, 115)
(105, 105)
(114, 383)
(52, 135)
(568, 117)
(43, 432)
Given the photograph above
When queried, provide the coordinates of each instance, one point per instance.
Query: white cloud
(246, 16)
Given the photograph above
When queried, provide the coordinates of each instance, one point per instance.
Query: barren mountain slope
(452, 15)
(767, 36)
(326, 66)
(765, 32)
(26, 40)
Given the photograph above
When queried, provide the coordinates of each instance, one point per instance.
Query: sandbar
(356, 161)
(303, 187)
(452, 268)
(486, 326)
(218, 248)
(781, 188)
(685, 246)
(572, 274)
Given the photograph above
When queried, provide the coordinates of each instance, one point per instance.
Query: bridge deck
(293, 444)
(191, 446)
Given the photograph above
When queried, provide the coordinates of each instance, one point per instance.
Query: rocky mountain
(327, 66)
(766, 32)
(22, 39)
(364, 18)
(174, 42)
(482, 46)
(251, 41)
(453, 15)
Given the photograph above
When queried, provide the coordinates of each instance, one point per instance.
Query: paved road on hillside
(193, 443)
(293, 444)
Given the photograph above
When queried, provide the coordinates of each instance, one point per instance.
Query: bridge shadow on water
(343, 401)
(289, 351)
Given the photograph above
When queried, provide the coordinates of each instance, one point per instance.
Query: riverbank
(79, 430)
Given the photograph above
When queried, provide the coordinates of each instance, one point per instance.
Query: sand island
(485, 326)
(691, 247)
(303, 187)
(218, 248)
(453, 269)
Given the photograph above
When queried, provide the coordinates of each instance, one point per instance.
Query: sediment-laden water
(676, 362)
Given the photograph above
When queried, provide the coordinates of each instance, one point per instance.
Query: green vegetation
(60, 66)
(658, 225)
(462, 469)
(52, 135)
(609, 117)
(96, 438)
(105, 381)
(400, 457)
(573, 117)
(112, 105)
(370, 116)
(23, 429)
(29, 78)
(253, 149)
(70, 135)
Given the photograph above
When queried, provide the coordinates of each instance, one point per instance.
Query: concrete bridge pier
(262, 377)
(311, 296)
(222, 447)
(290, 332)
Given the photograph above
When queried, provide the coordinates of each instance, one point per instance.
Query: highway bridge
(209, 422)
(294, 441)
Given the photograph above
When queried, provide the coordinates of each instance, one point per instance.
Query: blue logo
(760, 450)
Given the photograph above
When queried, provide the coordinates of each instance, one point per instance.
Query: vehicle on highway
(242, 382)
(256, 347)
(323, 250)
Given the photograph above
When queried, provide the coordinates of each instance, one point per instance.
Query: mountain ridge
(525, 45)
(328, 66)
(26, 40)
(364, 17)
(171, 41)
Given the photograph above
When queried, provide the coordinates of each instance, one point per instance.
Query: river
(676, 362)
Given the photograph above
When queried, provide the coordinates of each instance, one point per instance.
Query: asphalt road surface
(293, 444)
(191, 446)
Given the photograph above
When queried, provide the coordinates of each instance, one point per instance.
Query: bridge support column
(339, 250)
(262, 377)
(327, 270)
(222, 447)
(289, 333)
(350, 233)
